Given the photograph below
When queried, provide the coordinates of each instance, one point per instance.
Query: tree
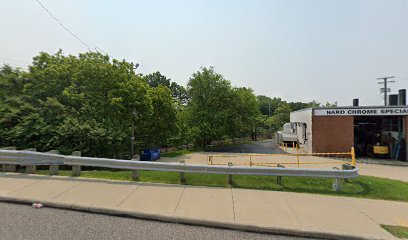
(157, 79)
(243, 112)
(267, 103)
(211, 97)
(281, 116)
(11, 106)
(295, 106)
(161, 124)
(72, 103)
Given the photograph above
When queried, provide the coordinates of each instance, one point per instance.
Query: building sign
(383, 111)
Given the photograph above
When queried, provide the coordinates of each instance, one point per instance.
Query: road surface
(24, 222)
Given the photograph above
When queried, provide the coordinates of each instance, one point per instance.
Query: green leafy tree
(266, 103)
(161, 124)
(243, 112)
(72, 103)
(157, 79)
(281, 116)
(211, 97)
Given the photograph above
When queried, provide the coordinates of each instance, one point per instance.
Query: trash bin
(150, 154)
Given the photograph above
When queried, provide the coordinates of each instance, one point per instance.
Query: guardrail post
(279, 178)
(346, 167)
(336, 184)
(54, 168)
(76, 169)
(229, 175)
(182, 176)
(9, 167)
(135, 175)
(353, 157)
(31, 169)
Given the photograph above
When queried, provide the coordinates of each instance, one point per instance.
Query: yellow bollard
(250, 160)
(353, 157)
(210, 160)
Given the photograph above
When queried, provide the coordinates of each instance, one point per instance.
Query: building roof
(351, 107)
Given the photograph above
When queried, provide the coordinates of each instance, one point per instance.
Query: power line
(63, 26)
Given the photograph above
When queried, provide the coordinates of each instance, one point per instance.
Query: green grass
(397, 231)
(361, 187)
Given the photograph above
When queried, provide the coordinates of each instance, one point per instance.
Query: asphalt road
(24, 222)
(267, 147)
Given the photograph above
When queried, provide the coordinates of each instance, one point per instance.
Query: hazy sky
(298, 50)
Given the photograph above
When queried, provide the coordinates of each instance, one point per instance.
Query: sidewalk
(253, 210)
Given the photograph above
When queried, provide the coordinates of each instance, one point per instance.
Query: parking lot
(263, 153)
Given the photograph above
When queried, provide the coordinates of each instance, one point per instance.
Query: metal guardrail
(29, 158)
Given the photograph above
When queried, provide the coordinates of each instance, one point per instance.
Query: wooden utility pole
(132, 144)
(385, 82)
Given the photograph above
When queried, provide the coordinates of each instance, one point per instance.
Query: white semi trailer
(292, 132)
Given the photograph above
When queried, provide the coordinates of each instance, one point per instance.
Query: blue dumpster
(150, 154)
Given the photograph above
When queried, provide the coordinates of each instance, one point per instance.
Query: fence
(31, 159)
(297, 155)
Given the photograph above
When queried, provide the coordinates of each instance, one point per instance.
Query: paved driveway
(238, 155)
(267, 146)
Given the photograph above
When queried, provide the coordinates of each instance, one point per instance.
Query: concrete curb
(187, 221)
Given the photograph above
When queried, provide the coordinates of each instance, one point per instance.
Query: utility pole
(385, 82)
(269, 108)
(132, 144)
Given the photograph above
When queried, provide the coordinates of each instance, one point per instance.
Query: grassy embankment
(397, 231)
